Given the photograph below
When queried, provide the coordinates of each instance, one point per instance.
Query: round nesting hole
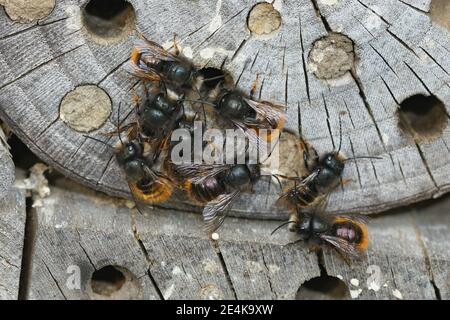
(213, 76)
(264, 19)
(86, 108)
(440, 12)
(295, 156)
(26, 11)
(423, 118)
(114, 282)
(108, 21)
(323, 288)
(332, 56)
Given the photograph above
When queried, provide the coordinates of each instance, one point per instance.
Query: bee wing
(153, 50)
(251, 134)
(215, 211)
(344, 247)
(273, 116)
(302, 185)
(359, 218)
(140, 70)
(196, 173)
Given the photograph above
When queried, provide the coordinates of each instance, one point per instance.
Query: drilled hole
(423, 118)
(332, 56)
(108, 21)
(323, 288)
(114, 282)
(440, 12)
(264, 19)
(212, 76)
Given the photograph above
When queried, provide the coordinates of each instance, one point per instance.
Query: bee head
(333, 162)
(130, 150)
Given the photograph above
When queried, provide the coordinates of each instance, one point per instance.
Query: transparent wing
(196, 173)
(153, 50)
(271, 116)
(216, 211)
(344, 247)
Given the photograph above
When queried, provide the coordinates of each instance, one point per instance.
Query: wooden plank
(6, 166)
(12, 232)
(399, 53)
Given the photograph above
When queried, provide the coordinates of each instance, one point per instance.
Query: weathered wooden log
(12, 232)
(93, 247)
(6, 166)
(383, 65)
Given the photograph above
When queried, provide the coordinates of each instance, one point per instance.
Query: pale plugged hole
(332, 56)
(323, 288)
(440, 12)
(264, 19)
(86, 108)
(114, 282)
(108, 21)
(26, 11)
(423, 118)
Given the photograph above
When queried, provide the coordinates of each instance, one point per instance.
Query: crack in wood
(216, 249)
(383, 58)
(374, 12)
(427, 259)
(54, 279)
(28, 250)
(39, 66)
(305, 71)
(144, 251)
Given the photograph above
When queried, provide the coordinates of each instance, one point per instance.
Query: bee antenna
(214, 78)
(98, 140)
(118, 123)
(340, 133)
(281, 226)
(363, 157)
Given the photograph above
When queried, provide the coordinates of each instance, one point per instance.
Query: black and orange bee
(348, 234)
(312, 190)
(157, 116)
(216, 186)
(150, 61)
(137, 158)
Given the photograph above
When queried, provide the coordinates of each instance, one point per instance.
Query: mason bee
(158, 116)
(137, 158)
(248, 115)
(216, 186)
(325, 175)
(348, 234)
(150, 61)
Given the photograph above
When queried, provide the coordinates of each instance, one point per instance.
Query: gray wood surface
(6, 166)
(399, 51)
(170, 257)
(12, 231)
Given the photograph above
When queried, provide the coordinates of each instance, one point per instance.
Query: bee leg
(254, 87)
(292, 243)
(344, 182)
(175, 45)
(294, 219)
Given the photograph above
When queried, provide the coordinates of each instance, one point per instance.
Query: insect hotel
(349, 100)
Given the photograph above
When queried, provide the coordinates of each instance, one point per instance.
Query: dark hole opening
(107, 280)
(323, 288)
(212, 77)
(424, 118)
(110, 19)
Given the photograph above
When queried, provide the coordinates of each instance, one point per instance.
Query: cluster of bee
(152, 177)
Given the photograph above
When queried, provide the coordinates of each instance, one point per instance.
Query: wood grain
(172, 258)
(400, 52)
